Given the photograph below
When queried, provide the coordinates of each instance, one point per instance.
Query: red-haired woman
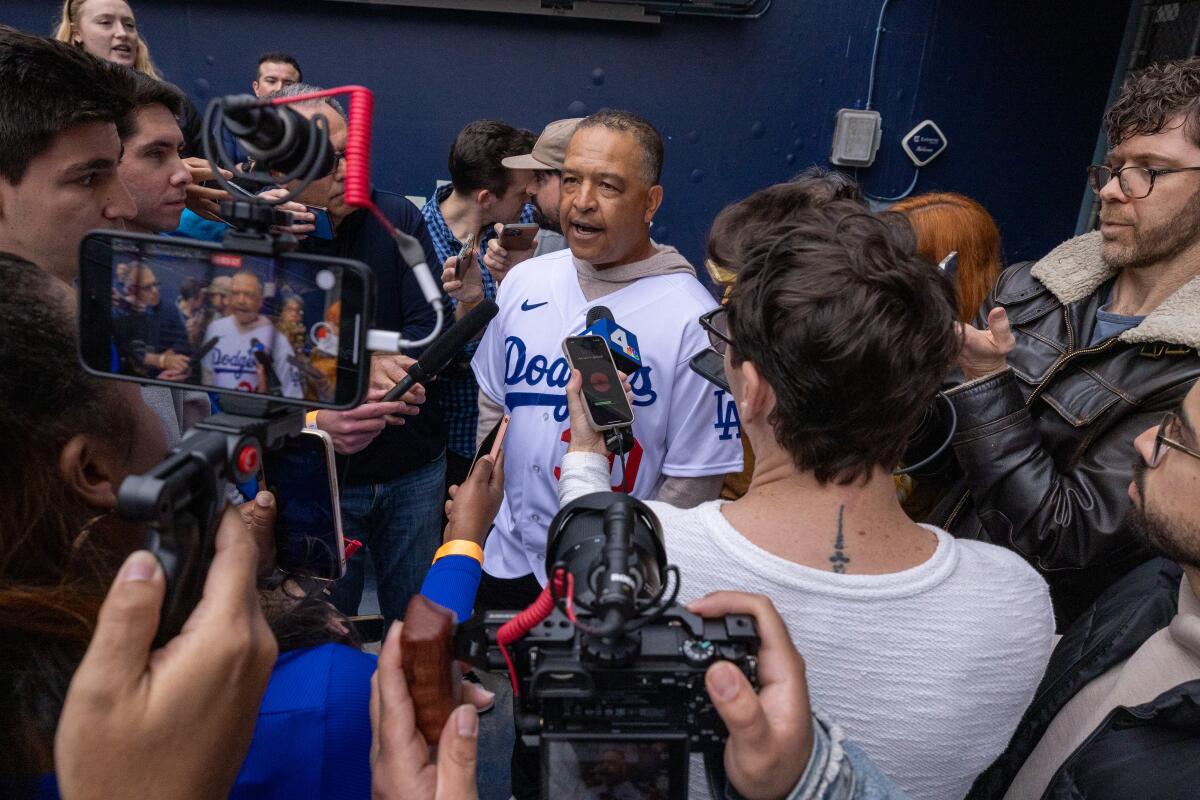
(945, 222)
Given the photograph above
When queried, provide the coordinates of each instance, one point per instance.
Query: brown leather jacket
(1046, 447)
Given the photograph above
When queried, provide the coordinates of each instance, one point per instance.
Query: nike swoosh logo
(525, 306)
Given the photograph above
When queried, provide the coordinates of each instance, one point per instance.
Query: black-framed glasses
(1135, 182)
(1167, 429)
(716, 323)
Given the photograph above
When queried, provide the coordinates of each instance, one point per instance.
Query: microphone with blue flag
(621, 342)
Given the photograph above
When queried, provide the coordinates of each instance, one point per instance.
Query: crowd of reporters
(925, 602)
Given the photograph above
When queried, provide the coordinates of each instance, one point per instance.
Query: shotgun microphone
(444, 348)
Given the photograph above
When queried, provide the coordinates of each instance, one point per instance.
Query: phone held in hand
(604, 397)
(324, 226)
(519, 237)
(465, 257)
(302, 475)
(492, 443)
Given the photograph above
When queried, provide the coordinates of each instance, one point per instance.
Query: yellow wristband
(310, 419)
(460, 547)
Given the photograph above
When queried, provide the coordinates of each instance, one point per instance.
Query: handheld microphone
(444, 348)
(622, 343)
(277, 137)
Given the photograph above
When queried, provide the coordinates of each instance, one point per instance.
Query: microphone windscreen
(598, 313)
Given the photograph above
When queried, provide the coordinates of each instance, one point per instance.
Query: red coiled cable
(358, 145)
(524, 622)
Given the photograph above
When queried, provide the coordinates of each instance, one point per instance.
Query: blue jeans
(399, 524)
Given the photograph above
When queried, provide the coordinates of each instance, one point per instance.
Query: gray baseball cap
(550, 149)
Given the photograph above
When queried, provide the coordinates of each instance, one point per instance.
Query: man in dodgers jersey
(231, 363)
(686, 430)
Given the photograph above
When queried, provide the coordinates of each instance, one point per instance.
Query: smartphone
(604, 398)
(519, 237)
(324, 229)
(491, 443)
(710, 364)
(309, 541)
(465, 256)
(128, 285)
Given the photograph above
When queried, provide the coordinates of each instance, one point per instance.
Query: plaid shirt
(460, 392)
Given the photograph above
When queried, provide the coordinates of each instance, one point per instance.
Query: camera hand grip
(434, 678)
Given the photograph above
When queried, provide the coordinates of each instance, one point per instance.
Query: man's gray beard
(1161, 244)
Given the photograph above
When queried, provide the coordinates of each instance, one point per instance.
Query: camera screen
(623, 769)
(307, 529)
(181, 312)
(601, 385)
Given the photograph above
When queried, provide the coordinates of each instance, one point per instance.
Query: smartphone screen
(324, 228)
(710, 364)
(308, 528)
(491, 443)
(607, 405)
(179, 312)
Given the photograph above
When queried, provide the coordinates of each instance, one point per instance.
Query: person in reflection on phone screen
(151, 337)
(234, 363)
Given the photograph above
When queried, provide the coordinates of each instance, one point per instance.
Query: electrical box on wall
(856, 137)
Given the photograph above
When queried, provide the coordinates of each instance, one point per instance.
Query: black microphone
(277, 137)
(444, 348)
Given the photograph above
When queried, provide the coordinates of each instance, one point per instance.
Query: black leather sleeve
(1057, 520)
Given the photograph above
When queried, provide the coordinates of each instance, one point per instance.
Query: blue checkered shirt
(460, 392)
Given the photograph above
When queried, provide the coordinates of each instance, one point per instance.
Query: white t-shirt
(231, 364)
(683, 425)
(928, 670)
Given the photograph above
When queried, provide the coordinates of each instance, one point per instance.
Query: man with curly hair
(1076, 354)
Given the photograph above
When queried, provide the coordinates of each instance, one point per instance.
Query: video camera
(274, 333)
(606, 667)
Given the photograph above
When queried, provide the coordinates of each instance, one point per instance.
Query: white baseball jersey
(231, 363)
(684, 426)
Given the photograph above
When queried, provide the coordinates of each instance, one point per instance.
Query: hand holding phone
(604, 400)
(466, 257)
(474, 505)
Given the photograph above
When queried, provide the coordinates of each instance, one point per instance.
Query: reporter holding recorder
(899, 622)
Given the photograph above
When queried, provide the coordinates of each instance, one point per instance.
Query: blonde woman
(107, 29)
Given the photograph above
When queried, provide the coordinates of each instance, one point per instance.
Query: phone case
(586, 408)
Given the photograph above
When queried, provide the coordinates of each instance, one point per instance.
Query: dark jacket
(399, 306)
(1148, 751)
(1046, 447)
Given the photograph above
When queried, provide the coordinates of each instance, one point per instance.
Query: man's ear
(89, 469)
(254, 87)
(654, 199)
(485, 199)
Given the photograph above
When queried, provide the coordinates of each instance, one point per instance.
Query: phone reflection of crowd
(235, 331)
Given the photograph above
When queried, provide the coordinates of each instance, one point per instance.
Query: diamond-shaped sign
(924, 143)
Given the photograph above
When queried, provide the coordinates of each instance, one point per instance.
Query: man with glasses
(1076, 354)
(1121, 720)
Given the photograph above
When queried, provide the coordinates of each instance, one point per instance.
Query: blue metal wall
(1017, 86)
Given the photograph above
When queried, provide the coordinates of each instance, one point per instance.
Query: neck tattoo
(839, 559)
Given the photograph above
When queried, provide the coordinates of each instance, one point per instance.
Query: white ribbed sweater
(928, 670)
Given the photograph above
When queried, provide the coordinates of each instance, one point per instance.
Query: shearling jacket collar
(1074, 270)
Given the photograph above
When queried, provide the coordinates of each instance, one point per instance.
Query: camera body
(649, 682)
